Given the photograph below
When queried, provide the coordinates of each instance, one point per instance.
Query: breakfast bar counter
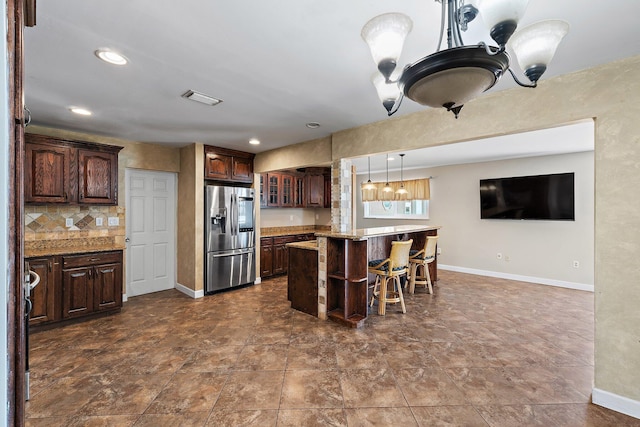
(343, 260)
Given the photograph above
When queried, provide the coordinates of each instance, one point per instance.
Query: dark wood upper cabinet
(286, 190)
(47, 173)
(294, 188)
(74, 172)
(273, 189)
(299, 194)
(315, 190)
(98, 173)
(222, 164)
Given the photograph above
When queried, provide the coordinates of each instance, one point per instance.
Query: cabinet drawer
(95, 258)
(282, 240)
(266, 241)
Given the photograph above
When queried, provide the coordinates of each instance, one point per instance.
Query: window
(394, 209)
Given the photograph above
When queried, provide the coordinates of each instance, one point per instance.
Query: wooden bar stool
(422, 258)
(390, 269)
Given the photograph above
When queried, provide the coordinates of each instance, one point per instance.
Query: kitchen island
(343, 279)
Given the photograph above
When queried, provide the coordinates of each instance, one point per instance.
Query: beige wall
(310, 153)
(608, 93)
(536, 249)
(190, 218)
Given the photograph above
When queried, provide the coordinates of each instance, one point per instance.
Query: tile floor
(479, 352)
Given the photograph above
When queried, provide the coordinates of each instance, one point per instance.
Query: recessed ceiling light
(80, 111)
(111, 57)
(254, 141)
(313, 125)
(390, 159)
(201, 97)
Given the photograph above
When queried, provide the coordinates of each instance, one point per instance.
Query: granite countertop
(365, 233)
(288, 231)
(311, 245)
(41, 248)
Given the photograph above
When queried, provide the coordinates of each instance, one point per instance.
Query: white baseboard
(190, 292)
(124, 298)
(257, 281)
(520, 278)
(617, 403)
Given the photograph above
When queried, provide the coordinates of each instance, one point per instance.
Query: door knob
(127, 240)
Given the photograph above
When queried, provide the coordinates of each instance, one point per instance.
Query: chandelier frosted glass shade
(385, 35)
(534, 46)
(501, 17)
(451, 77)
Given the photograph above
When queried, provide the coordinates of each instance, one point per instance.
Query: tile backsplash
(48, 222)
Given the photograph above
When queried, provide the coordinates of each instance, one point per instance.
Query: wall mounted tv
(539, 197)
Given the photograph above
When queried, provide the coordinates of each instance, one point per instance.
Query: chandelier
(450, 77)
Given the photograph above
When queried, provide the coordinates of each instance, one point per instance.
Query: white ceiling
(276, 64)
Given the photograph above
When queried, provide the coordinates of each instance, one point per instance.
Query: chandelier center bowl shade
(453, 76)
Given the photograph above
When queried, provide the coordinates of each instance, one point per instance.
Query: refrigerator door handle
(234, 214)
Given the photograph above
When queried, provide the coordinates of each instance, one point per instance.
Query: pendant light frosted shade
(501, 17)
(535, 45)
(385, 35)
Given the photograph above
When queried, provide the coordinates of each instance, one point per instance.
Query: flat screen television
(539, 197)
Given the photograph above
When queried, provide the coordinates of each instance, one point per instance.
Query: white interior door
(151, 225)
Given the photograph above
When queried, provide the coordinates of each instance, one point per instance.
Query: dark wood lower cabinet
(43, 295)
(274, 254)
(76, 286)
(77, 292)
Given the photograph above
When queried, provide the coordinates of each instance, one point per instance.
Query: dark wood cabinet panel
(299, 193)
(242, 169)
(280, 255)
(73, 172)
(327, 190)
(77, 292)
(302, 282)
(43, 295)
(315, 190)
(273, 189)
(98, 177)
(107, 287)
(217, 166)
(223, 164)
(47, 173)
(266, 257)
(286, 191)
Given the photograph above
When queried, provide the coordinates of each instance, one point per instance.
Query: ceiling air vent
(201, 97)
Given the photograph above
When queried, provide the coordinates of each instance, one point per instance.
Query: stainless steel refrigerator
(230, 258)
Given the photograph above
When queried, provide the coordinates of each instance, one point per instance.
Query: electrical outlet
(507, 258)
(317, 216)
(290, 217)
(68, 222)
(439, 251)
(113, 221)
(99, 222)
(499, 255)
(576, 264)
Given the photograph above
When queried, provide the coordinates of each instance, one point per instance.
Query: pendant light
(402, 192)
(387, 190)
(368, 186)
